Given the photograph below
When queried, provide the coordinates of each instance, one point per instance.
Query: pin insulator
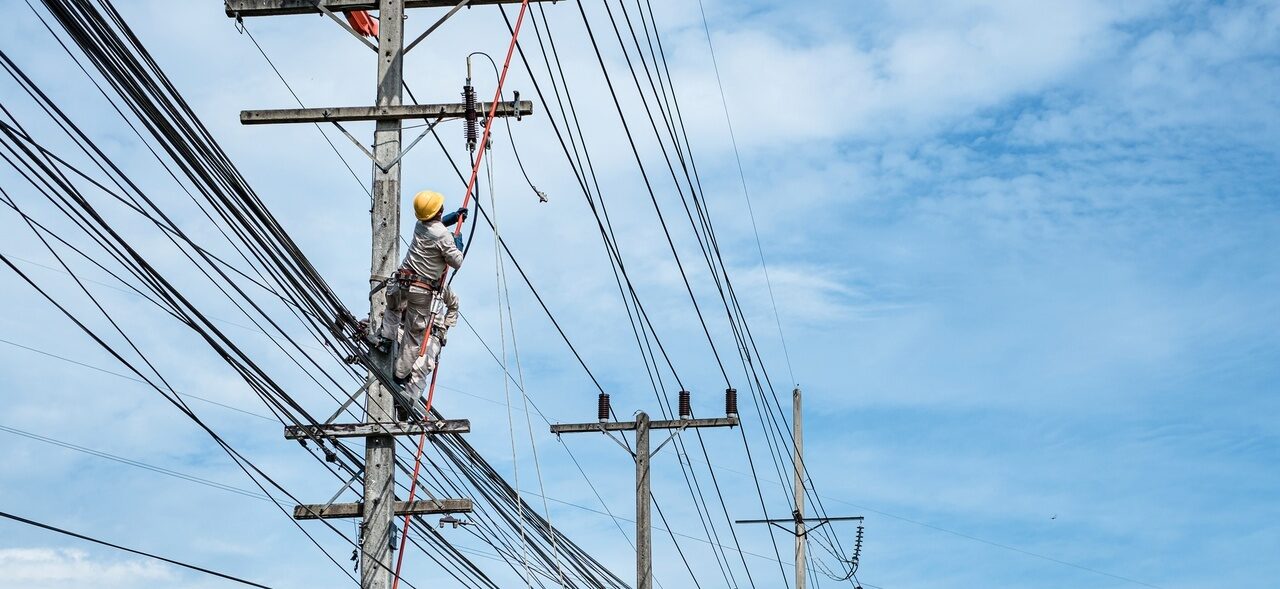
(686, 406)
(731, 402)
(603, 408)
(472, 115)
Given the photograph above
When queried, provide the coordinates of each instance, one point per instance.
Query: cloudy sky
(1023, 255)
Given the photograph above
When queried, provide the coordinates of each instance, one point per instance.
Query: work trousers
(405, 321)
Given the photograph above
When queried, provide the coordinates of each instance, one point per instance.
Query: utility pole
(378, 507)
(797, 519)
(643, 426)
(797, 437)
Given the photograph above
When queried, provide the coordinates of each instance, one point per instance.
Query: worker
(413, 288)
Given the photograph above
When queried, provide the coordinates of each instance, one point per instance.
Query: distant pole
(797, 417)
(643, 426)
(644, 533)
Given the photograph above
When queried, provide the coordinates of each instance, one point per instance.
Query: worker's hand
(453, 218)
(457, 242)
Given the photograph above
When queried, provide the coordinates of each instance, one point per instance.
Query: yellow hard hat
(427, 204)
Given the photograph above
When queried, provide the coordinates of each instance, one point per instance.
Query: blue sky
(1023, 255)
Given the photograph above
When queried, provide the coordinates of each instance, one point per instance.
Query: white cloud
(41, 568)
(924, 66)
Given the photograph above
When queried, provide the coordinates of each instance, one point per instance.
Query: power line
(616, 518)
(135, 463)
(140, 381)
(259, 237)
(746, 193)
(131, 550)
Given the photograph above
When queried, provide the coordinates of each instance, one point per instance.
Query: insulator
(686, 406)
(731, 402)
(603, 409)
(472, 115)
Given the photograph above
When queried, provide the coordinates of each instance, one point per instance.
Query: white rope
(506, 387)
(528, 422)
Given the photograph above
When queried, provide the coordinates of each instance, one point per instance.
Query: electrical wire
(277, 405)
(171, 561)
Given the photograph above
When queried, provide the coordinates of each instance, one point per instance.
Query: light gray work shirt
(431, 250)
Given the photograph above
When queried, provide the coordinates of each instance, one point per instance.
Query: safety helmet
(427, 204)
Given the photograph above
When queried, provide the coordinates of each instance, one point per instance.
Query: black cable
(135, 463)
(131, 550)
(158, 106)
(605, 227)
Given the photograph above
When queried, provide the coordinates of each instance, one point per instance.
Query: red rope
(466, 199)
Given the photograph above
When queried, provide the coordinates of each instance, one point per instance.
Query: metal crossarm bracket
(341, 489)
(359, 430)
(344, 24)
(355, 141)
(430, 127)
(348, 402)
(621, 443)
(795, 519)
(432, 28)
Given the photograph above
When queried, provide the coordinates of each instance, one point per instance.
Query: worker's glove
(457, 242)
(452, 218)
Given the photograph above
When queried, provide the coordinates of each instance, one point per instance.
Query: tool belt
(408, 278)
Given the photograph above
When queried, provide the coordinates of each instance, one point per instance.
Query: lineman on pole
(414, 288)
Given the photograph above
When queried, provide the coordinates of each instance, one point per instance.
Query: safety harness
(407, 278)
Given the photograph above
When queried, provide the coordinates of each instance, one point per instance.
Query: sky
(1023, 257)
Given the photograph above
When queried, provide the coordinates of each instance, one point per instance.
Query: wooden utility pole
(797, 437)
(378, 507)
(643, 426)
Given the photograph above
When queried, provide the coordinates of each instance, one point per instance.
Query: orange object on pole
(363, 23)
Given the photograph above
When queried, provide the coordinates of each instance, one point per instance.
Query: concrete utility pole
(797, 436)
(379, 507)
(643, 426)
(797, 519)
